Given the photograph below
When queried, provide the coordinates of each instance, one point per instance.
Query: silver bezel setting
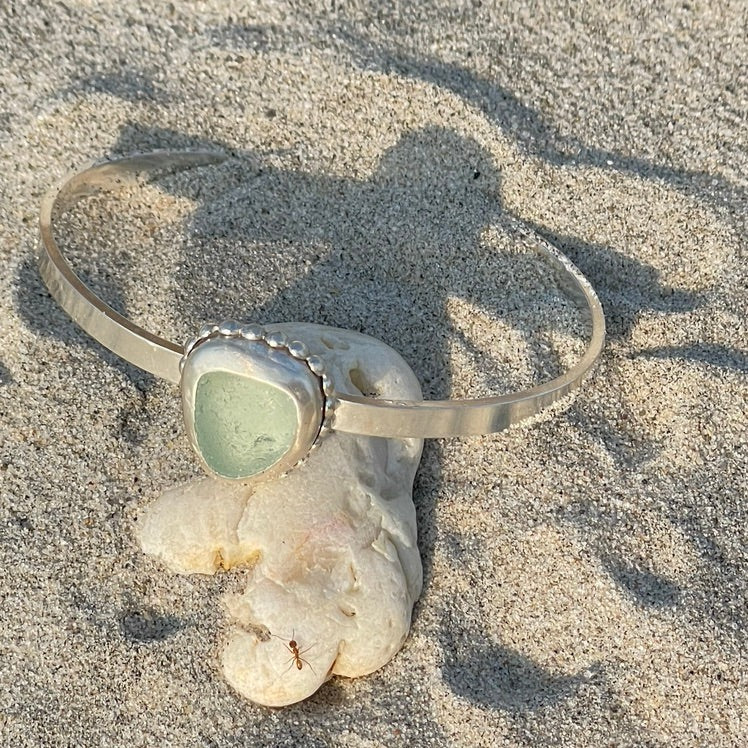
(251, 350)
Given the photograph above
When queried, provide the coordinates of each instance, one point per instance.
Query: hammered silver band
(358, 415)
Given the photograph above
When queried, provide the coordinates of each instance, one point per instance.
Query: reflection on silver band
(359, 415)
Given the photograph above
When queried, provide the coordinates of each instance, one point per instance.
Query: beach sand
(585, 575)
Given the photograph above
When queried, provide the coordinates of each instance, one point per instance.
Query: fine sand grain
(585, 576)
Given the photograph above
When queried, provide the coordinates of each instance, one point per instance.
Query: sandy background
(585, 577)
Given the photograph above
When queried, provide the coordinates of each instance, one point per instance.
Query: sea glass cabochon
(250, 410)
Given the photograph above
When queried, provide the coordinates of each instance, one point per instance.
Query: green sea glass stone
(243, 426)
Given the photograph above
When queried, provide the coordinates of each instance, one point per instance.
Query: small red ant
(296, 654)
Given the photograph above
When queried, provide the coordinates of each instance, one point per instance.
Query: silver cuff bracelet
(278, 394)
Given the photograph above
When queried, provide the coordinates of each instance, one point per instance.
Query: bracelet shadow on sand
(533, 132)
(6, 377)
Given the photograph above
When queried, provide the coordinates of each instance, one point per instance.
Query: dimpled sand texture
(585, 576)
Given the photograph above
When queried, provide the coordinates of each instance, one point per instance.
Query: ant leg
(301, 659)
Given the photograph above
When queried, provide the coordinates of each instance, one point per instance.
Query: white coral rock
(335, 568)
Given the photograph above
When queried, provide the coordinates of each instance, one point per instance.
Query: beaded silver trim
(279, 341)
